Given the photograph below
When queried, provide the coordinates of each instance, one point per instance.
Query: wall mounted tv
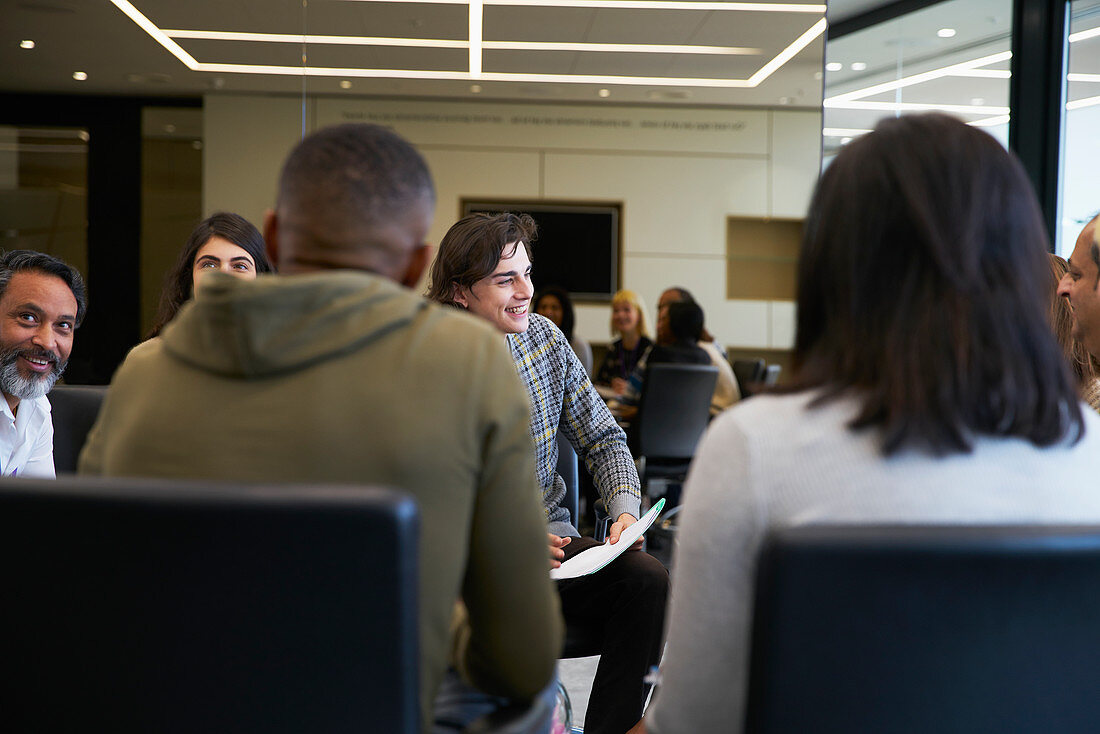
(579, 244)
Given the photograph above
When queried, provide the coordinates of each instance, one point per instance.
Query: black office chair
(672, 414)
(749, 374)
(74, 409)
(170, 606)
(899, 630)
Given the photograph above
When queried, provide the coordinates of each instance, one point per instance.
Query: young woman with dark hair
(928, 388)
(555, 304)
(225, 242)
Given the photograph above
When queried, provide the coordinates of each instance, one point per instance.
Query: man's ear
(271, 236)
(459, 296)
(418, 262)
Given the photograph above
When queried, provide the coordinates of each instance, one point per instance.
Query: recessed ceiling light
(858, 66)
(834, 66)
(946, 33)
(26, 43)
(475, 88)
(80, 76)
(977, 101)
(169, 128)
(345, 84)
(604, 92)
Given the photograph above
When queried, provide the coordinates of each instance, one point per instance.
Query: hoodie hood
(282, 323)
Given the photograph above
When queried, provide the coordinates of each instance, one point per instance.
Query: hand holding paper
(595, 558)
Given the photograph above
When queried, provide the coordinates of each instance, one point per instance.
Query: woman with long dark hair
(555, 304)
(928, 388)
(223, 242)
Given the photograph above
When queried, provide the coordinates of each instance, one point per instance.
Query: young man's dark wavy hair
(472, 248)
(922, 292)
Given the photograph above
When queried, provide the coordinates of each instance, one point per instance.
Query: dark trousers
(624, 605)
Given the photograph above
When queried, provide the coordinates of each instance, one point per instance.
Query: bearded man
(42, 302)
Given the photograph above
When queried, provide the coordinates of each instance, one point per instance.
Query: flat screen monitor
(578, 246)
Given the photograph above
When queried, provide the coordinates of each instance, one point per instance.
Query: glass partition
(44, 191)
(1080, 198)
(952, 57)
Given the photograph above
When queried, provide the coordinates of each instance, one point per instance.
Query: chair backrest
(74, 409)
(567, 467)
(674, 409)
(164, 606)
(927, 629)
(748, 373)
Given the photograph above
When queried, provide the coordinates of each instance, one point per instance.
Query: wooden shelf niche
(762, 258)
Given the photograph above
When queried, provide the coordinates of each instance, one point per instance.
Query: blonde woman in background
(628, 321)
(1061, 320)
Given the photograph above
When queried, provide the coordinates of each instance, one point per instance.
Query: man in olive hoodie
(334, 371)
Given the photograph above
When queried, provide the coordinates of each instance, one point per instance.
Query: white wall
(679, 174)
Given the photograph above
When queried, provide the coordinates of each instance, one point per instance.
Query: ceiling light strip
(915, 107)
(331, 40)
(665, 5)
(1086, 102)
(644, 48)
(788, 53)
(463, 44)
(476, 15)
(465, 76)
(990, 121)
(158, 35)
(1084, 35)
(1075, 77)
(983, 73)
(843, 132)
(922, 77)
(632, 5)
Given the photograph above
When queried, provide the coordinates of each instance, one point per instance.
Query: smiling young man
(42, 301)
(484, 267)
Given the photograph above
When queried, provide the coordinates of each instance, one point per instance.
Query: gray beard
(13, 383)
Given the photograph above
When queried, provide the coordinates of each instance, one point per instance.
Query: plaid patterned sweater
(562, 395)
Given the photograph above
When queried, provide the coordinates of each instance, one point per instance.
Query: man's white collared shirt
(26, 439)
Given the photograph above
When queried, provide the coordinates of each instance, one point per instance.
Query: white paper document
(596, 557)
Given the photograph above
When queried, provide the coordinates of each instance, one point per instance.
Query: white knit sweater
(770, 461)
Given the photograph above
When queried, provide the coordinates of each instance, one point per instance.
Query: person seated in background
(941, 397)
(625, 406)
(1061, 319)
(484, 267)
(42, 302)
(331, 373)
(678, 327)
(555, 304)
(1080, 286)
(628, 320)
(223, 242)
(726, 390)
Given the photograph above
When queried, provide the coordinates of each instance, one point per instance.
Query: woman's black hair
(923, 291)
(568, 315)
(179, 283)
